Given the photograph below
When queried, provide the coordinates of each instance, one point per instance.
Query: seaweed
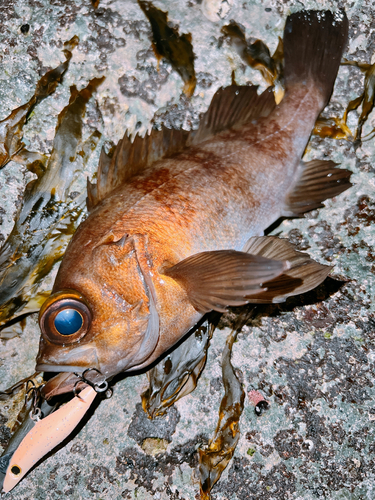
(48, 216)
(367, 98)
(257, 55)
(168, 43)
(176, 375)
(215, 457)
(337, 128)
(333, 127)
(11, 145)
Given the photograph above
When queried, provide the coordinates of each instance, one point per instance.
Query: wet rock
(142, 427)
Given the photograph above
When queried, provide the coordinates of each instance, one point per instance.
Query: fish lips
(66, 379)
(69, 381)
(61, 383)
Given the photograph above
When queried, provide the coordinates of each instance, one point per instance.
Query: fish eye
(65, 317)
(68, 321)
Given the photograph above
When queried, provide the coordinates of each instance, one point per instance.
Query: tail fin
(313, 45)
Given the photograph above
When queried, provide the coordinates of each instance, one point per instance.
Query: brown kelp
(336, 127)
(257, 55)
(367, 98)
(48, 216)
(177, 374)
(215, 457)
(168, 43)
(11, 145)
(333, 127)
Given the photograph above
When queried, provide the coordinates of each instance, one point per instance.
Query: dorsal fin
(233, 106)
(130, 158)
(230, 106)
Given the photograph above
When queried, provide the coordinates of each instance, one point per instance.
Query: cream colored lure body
(46, 435)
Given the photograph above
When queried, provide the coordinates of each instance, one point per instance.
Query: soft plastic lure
(46, 435)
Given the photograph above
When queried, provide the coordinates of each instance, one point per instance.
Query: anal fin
(320, 180)
(303, 275)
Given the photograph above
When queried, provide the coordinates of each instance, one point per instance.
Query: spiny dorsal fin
(230, 106)
(92, 189)
(131, 158)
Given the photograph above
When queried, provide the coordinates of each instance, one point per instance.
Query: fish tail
(313, 45)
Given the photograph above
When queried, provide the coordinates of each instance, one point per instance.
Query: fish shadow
(238, 317)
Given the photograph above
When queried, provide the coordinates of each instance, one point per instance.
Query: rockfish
(176, 219)
(176, 229)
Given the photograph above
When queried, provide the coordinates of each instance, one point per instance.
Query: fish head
(101, 315)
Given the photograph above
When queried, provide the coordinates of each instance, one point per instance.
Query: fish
(177, 219)
(176, 230)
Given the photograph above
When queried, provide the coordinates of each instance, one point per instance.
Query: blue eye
(65, 317)
(68, 321)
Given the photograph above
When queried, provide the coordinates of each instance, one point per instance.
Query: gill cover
(112, 323)
(127, 299)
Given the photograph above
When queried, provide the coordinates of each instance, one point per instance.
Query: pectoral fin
(304, 273)
(214, 280)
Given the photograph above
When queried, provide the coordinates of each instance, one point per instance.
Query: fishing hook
(35, 412)
(97, 386)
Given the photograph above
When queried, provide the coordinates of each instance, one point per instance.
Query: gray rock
(313, 358)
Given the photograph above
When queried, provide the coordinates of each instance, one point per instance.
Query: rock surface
(312, 358)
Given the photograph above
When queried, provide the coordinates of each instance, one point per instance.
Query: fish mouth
(69, 378)
(68, 369)
(61, 383)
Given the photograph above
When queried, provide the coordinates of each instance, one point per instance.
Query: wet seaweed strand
(48, 216)
(11, 145)
(214, 459)
(169, 44)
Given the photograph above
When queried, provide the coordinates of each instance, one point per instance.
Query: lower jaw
(61, 383)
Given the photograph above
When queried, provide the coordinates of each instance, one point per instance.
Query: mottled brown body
(214, 195)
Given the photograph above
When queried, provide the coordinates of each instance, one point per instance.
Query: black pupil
(68, 321)
(15, 470)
